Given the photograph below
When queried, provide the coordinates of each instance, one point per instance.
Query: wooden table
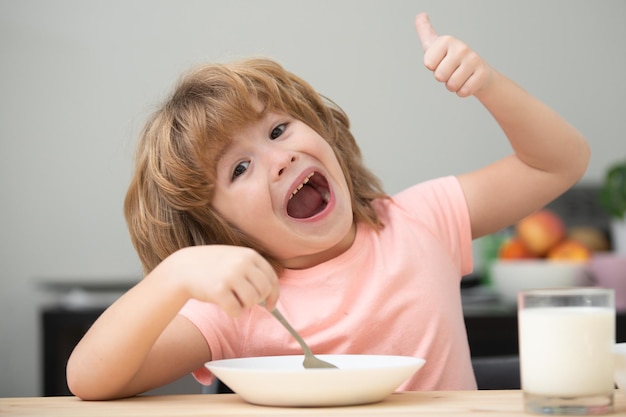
(436, 403)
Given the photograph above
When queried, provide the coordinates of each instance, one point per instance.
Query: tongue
(306, 203)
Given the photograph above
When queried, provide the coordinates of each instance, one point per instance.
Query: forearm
(118, 343)
(540, 137)
(139, 343)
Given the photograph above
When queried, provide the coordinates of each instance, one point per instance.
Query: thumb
(425, 31)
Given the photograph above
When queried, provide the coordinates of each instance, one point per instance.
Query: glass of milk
(566, 339)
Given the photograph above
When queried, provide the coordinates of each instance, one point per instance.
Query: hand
(452, 62)
(233, 277)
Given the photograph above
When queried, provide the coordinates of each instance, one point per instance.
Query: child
(247, 181)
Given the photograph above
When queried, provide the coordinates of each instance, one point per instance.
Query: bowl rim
(403, 362)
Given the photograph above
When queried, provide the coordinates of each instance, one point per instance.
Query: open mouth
(309, 198)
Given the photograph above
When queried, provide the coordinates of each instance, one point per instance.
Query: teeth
(326, 196)
(299, 187)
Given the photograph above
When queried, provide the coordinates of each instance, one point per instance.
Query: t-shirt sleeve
(441, 206)
(221, 338)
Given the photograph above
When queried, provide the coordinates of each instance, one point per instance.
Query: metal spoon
(310, 360)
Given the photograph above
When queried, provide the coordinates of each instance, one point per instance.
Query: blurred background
(78, 79)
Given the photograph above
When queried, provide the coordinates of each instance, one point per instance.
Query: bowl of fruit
(542, 253)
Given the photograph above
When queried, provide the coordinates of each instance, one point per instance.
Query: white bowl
(509, 277)
(282, 380)
(619, 352)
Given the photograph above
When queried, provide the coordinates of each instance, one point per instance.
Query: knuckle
(246, 252)
(440, 75)
(453, 85)
(429, 64)
(452, 88)
(474, 59)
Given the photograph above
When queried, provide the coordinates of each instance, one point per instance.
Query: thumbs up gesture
(452, 62)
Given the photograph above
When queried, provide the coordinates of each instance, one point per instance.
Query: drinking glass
(566, 339)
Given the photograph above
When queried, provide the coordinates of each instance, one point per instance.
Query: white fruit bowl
(509, 277)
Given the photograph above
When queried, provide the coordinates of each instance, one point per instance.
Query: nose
(283, 162)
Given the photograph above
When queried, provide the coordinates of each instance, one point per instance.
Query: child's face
(260, 189)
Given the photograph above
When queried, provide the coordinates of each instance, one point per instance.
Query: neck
(308, 261)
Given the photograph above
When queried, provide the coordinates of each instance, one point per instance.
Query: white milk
(567, 351)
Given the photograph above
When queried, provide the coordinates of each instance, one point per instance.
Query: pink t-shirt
(394, 292)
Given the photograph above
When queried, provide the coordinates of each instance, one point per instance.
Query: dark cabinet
(62, 329)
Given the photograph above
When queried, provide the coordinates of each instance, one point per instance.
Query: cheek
(323, 150)
(226, 205)
(241, 206)
(334, 164)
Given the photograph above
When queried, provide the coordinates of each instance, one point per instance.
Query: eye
(240, 169)
(277, 131)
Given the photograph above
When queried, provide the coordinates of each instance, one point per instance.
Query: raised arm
(140, 342)
(549, 154)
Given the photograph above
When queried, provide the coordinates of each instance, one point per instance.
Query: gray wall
(77, 79)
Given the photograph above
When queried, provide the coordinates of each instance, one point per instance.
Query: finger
(261, 285)
(470, 86)
(258, 284)
(230, 303)
(272, 298)
(246, 293)
(269, 285)
(268, 278)
(459, 77)
(425, 31)
(267, 269)
(443, 66)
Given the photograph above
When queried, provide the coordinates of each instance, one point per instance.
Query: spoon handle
(293, 331)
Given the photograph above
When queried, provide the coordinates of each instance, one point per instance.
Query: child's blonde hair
(168, 203)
